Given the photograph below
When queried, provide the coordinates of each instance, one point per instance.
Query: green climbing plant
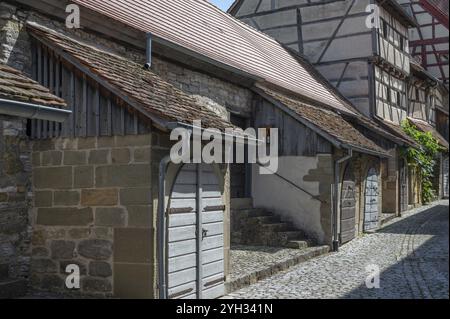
(423, 158)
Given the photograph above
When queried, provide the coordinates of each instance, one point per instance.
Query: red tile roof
(17, 87)
(143, 87)
(200, 27)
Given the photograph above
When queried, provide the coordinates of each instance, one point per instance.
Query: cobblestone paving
(411, 253)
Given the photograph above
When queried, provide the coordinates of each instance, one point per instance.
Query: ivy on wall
(423, 159)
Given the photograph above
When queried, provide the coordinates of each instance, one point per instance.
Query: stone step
(266, 219)
(250, 212)
(241, 203)
(261, 227)
(257, 212)
(297, 244)
(14, 288)
(291, 235)
(277, 227)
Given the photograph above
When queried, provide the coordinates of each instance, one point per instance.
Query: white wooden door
(195, 249)
(371, 208)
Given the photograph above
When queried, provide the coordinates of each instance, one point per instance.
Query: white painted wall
(275, 194)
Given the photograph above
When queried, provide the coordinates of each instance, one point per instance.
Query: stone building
(429, 37)
(20, 99)
(104, 195)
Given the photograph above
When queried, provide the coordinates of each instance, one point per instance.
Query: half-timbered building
(362, 51)
(429, 47)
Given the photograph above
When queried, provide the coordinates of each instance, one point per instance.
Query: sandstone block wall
(93, 207)
(15, 197)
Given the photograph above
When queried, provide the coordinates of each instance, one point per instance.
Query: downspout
(148, 52)
(161, 228)
(33, 111)
(337, 174)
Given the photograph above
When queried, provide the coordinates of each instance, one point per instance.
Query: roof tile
(327, 121)
(200, 27)
(144, 87)
(16, 86)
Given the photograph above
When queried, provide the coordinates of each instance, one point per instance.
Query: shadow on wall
(417, 267)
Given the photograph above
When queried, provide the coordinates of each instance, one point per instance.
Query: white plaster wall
(275, 194)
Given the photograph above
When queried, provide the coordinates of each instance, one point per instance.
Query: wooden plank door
(371, 207)
(348, 206)
(195, 238)
(212, 235)
(403, 185)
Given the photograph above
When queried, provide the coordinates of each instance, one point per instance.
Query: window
(399, 99)
(388, 97)
(385, 29)
(402, 43)
(417, 94)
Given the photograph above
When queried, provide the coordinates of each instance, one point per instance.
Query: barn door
(403, 186)
(195, 249)
(348, 206)
(371, 213)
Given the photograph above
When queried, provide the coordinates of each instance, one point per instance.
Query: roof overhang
(420, 72)
(437, 10)
(241, 138)
(398, 131)
(333, 140)
(427, 128)
(235, 7)
(399, 12)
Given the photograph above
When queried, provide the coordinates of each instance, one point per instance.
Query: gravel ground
(411, 253)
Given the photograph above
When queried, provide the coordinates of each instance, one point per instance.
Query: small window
(402, 43)
(399, 99)
(385, 29)
(417, 94)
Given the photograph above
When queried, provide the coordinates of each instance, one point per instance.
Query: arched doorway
(371, 206)
(195, 235)
(348, 205)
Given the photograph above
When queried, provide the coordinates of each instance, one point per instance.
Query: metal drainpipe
(161, 227)
(148, 52)
(337, 174)
(33, 111)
